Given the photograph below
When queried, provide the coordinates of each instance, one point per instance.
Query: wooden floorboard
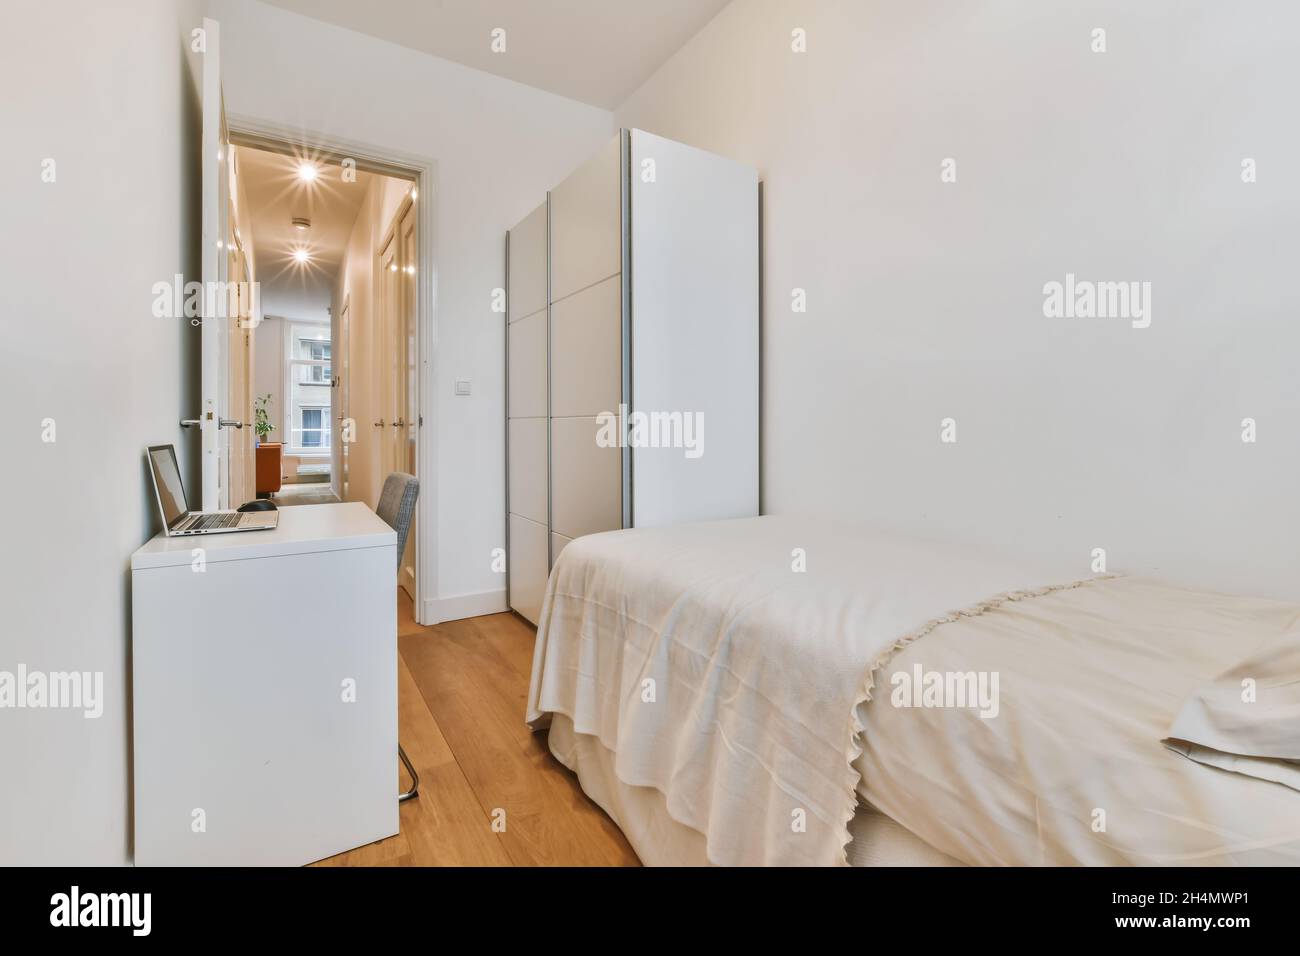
(462, 691)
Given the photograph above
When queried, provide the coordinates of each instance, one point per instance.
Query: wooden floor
(462, 689)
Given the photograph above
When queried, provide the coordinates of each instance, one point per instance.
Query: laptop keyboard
(215, 521)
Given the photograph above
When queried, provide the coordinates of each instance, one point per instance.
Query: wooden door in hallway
(238, 468)
(398, 360)
(406, 435)
(384, 356)
(345, 425)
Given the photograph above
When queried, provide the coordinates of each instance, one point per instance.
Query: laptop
(176, 515)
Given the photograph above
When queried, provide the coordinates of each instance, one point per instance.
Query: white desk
(240, 677)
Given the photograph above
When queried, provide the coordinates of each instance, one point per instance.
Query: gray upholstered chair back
(397, 506)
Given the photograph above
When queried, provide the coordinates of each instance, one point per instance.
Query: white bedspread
(1072, 771)
(729, 681)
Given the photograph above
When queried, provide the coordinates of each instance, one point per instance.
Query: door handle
(380, 423)
(191, 423)
(228, 422)
(399, 423)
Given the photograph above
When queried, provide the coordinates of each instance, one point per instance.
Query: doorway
(335, 352)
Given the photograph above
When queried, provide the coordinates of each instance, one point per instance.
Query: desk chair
(397, 508)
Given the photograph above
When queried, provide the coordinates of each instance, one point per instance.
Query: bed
(788, 691)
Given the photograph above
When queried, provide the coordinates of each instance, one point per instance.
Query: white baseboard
(456, 606)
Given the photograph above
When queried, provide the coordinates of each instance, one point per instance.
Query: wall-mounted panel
(527, 276)
(587, 350)
(586, 490)
(586, 224)
(528, 367)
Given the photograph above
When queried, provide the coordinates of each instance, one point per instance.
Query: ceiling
(595, 51)
(275, 195)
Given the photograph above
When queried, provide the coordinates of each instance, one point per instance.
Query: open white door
(216, 154)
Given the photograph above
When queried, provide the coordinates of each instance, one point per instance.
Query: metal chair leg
(415, 778)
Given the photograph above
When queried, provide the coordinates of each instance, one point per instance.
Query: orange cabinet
(268, 468)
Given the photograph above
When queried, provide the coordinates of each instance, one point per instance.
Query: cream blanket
(723, 663)
(1072, 770)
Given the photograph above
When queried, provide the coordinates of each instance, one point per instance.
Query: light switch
(462, 386)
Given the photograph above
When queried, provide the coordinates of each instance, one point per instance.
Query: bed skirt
(659, 840)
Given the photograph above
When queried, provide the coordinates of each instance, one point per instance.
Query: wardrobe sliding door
(586, 347)
(526, 411)
(633, 289)
(694, 252)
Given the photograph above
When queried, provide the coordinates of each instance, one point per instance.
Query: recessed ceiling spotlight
(308, 172)
(301, 256)
(301, 222)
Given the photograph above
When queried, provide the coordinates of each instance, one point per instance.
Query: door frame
(290, 138)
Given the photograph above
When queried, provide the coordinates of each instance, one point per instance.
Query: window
(314, 429)
(308, 375)
(318, 352)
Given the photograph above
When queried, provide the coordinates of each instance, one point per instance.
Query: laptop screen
(167, 482)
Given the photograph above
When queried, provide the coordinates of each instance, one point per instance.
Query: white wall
(925, 299)
(78, 258)
(268, 371)
(498, 146)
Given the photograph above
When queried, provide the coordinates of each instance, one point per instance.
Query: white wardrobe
(632, 312)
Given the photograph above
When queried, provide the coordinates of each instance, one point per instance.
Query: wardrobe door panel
(586, 488)
(528, 468)
(695, 329)
(586, 351)
(586, 224)
(528, 566)
(528, 367)
(558, 541)
(527, 275)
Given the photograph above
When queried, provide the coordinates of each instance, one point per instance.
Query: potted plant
(262, 424)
